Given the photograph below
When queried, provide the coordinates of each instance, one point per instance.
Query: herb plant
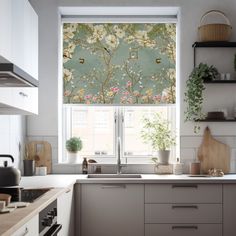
(156, 131)
(74, 144)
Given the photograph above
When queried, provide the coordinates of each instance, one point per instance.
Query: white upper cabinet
(19, 35)
(25, 37)
(5, 30)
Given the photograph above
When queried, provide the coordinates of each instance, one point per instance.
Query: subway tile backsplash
(188, 153)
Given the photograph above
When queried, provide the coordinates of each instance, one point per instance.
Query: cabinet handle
(26, 231)
(184, 186)
(184, 227)
(114, 186)
(23, 94)
(185, 206)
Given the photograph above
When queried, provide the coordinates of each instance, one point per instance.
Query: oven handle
(53, 230)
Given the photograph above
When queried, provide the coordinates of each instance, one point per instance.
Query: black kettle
(9, 176)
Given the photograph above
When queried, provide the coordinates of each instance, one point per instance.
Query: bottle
(85, 166)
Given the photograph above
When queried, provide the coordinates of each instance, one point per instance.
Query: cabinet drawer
(29, 229)
(183, 229)
(183, 193)
(183, 213)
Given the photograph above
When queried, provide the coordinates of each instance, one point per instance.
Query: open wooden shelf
(217, 120)
(220, 82)
(214, 45)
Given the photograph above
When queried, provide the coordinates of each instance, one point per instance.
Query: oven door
(53, 230)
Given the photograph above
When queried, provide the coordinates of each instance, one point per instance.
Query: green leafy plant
(74, 144)
(156, 131)
(194, 91)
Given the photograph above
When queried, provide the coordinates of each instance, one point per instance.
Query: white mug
(227, 76)
(42, 170)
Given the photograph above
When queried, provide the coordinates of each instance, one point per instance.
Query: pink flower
(157, 98)
(67, 93)
(87, 97)
(129, 84)
(115, 89)
(125, 93)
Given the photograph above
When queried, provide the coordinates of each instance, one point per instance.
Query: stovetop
(24, 195)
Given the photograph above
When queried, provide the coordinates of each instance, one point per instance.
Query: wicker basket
(214, 32)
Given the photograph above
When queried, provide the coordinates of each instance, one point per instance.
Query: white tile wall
(12, 137)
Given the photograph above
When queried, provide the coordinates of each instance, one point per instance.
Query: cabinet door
(65, 207)
(18, 32)
(112, 209)
(17, 100)
(5, 29)
(229, 209)
(31, 228)
(25, 37)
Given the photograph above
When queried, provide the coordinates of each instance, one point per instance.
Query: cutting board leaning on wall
(213, 154)
(41, 152)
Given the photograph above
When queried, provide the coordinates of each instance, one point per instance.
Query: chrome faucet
(119, 165)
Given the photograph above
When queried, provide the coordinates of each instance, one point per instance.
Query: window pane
(95, 126)
(133, 143)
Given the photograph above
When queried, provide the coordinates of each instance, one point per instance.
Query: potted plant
(194, 92)
(156, 131)
(73, 146)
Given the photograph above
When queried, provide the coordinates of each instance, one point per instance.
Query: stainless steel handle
(26, 231)
(184, 186)
(54, 230)
(195, 227)
(23, 94)
(114, 186)
(185, 207)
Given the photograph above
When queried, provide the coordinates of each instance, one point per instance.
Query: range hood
(12, 76)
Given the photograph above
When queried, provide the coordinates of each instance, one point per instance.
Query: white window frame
(116, 15)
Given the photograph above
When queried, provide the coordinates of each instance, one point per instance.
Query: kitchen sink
(115, 176)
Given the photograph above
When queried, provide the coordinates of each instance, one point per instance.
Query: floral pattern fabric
(119, 63)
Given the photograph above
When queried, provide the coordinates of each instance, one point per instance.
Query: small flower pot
(74, 158)
(163, 157)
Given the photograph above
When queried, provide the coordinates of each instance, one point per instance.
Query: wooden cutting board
(41, 152)
(213, 154)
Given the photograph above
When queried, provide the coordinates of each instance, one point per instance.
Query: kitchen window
(143, 83)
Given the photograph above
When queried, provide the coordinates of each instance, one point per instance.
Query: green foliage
(74, 144)
(156, 131)
(194, 93)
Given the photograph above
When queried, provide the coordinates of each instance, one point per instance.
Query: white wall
(46, 124)
(12, 137)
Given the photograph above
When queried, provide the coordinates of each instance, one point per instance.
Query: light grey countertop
(10, 222)
(153, 178)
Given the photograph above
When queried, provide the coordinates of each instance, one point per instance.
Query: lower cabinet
(229, 209)
(65, 209)
(31, 228)
(183, 230)
(112, 209)
(183, 209)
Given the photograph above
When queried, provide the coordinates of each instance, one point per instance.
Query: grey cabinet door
(112, 209)
(229, 209)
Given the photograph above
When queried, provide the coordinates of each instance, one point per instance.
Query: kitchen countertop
(60, 183)
(153, 178)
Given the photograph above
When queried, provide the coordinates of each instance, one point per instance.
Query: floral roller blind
(119, 63)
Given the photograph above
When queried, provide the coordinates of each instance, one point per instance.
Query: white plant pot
(163, 156)
(74, 158)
